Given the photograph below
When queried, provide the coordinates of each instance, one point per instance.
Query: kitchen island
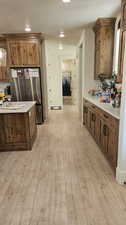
(18, 127)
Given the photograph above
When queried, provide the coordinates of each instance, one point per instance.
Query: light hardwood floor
(65, 180)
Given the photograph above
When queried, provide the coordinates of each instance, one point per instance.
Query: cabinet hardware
(106, 116)
(105, 131)
(93, 117)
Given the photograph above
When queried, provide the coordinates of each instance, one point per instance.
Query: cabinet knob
(105, 131)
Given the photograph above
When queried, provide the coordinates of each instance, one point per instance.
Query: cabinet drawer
(109, 120)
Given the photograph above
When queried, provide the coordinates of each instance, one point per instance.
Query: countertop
(115, 112)
(24, 107)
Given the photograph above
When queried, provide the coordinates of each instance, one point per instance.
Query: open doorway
(68, 81)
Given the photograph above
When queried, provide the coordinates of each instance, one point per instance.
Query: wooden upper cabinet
(121, 56)
(24, 51)
(104, 46)
(123, 16)
(122, 41)
(3, 62)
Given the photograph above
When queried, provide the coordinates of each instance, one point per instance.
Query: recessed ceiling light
(60, 46)
(66, 1)
(27, 28)
(61, 35)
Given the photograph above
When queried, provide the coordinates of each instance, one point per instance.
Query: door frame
(81, 72)
(61, 58)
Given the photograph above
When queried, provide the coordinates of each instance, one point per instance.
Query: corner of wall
(120, 176)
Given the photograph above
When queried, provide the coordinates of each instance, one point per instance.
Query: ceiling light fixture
(27, 28)
(60, 46)
(61, 35)
(66, 1)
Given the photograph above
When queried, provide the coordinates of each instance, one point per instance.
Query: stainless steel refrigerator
(26, 86)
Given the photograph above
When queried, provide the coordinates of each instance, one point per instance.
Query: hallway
(65, 180)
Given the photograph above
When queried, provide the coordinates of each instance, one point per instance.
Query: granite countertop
(115, 112)
(17, 107)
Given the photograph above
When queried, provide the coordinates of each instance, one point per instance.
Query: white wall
(89, 52)
(87, 41)
(54, 58)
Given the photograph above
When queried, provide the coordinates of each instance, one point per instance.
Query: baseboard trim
(121, 176)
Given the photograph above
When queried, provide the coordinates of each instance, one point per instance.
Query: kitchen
(64, 166)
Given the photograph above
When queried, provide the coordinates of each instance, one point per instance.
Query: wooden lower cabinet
(18, 130)
(104, 128)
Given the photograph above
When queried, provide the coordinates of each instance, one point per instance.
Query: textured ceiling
(49, 16)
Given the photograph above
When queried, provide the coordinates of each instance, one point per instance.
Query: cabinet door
(15, 128)
(85, 115)
(3, 65)
(104, 136)
(93, 122)
(30, 54)
(97, 54)
(124, 14)
(97, 128)
(121, 56)
(2, 129)
(107, 46)
(89, 119)
(24, 53)
(113, 148)
(15, 54)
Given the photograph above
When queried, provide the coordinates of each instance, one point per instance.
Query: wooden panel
(105, 130)
(3, 74)
(15, 128)
(3, 63)
(32, 122)
(121, 56)
(123, 15)
(2, 133)
(104, 47)
(113, 148)
(15, 54)
(24, 53)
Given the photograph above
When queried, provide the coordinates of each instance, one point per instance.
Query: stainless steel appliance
(26, 86)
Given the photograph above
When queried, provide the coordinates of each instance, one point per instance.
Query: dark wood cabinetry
(4, 77)
(18, 130)
(104, 128)
(123, 15)
(24, 50)
(23, 53)
(104, 46)
(122, 40)
(19, 50)
(121, 56)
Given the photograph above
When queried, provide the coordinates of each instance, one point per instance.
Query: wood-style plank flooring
(64, 180)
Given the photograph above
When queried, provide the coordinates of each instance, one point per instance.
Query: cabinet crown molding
(100, 22)
(25, 36)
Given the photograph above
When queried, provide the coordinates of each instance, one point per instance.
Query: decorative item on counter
(106, 97)
(92, 92)
(2, 97)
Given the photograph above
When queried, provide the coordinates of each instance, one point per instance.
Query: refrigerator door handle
(16, 89)
(19, 91)
(32, 90)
